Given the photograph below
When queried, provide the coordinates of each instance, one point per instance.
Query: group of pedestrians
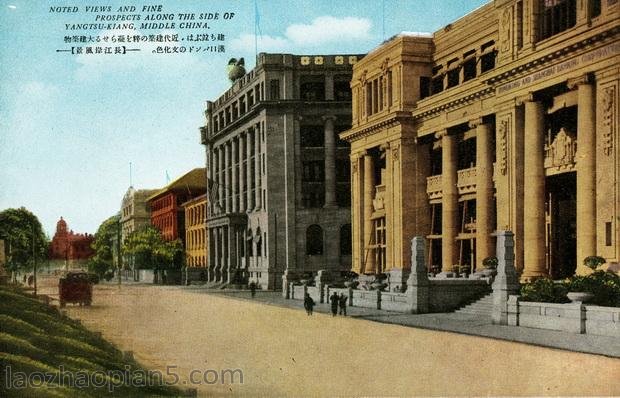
(336, 301)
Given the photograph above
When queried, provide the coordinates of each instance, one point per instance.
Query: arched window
(314, 240)
(345, 240)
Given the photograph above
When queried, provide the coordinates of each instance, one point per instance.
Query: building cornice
(517, 68)
(392, 119)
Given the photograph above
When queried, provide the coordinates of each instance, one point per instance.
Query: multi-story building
(196, 238)
(134, 214)
(167, 214)
(280, 174)
(504, 119)
(69, 246)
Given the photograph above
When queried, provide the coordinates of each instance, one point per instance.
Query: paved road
(284, 352)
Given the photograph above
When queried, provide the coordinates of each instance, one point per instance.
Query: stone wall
(572, 317)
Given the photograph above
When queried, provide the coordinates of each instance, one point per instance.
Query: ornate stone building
(504, 119)
(280, 175)
(196, 237)
(68, 246)
(134, 214)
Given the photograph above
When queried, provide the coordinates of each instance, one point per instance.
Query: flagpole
(256, 31)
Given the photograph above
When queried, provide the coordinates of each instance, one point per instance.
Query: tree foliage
(103, 245)
(16, 229)
(151, 251)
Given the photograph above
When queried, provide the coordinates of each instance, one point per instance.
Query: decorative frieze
(560, 153)
(608, 116)
(502, 138)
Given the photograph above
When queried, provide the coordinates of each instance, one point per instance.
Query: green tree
(16, 229)
(151, 251)
(104, 246)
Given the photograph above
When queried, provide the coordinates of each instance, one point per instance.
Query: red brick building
(167, 214)
(67, 245)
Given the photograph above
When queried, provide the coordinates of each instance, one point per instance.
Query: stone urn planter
(377, 285)
(351, 284)
(581, 297)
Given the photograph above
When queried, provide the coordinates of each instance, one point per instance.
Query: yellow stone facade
(504, 119)
(196, 232)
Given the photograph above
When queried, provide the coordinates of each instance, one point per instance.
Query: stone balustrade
(466, 180)
(433, 187)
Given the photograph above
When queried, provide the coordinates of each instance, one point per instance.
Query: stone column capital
(574, 82)
(441, 133)
(474, 123)
(328, 117)
(529, 97)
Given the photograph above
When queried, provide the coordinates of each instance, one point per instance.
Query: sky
(71, 124)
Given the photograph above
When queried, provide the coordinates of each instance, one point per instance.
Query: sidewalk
(449, 322)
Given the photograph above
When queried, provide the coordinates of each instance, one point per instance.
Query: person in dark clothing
(342, 304)
(308, 304)
(334, 301)
(253, 288)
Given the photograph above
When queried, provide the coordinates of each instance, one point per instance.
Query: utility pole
(34, 260)
(118, 251)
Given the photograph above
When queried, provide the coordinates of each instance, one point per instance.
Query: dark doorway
(561, 216)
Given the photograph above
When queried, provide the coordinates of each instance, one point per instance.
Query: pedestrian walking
(308, 304)
(253, 288)
(342, 304)
(333, 299)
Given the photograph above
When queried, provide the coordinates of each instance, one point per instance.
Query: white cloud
(245, 42)
(328, 29)
(322, 30)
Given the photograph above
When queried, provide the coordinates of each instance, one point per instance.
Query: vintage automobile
(75, 287)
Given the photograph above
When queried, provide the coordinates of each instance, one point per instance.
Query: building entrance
(561, 221)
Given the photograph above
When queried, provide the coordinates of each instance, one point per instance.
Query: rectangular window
(519, 30)
(274, 89)
(342, 89)
(469, 69)
(438, 84)
(425, 86)
(311, 136)
(556, 16)
(608, 234)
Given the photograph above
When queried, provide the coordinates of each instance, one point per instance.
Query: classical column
(249, 176)
(484, 192)
(368, 260)
(234, 162)
(450, 208)
(227, 170)
(220, 176)
(534, 193)
(257, 167)
(242, 197)
(330, 162)
(586, 169)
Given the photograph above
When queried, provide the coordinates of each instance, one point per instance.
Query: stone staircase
(482, 306)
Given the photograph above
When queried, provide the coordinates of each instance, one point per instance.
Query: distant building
(196, 238)
(167, 215)
(69, 246)
(280, 174)
(135, 212)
